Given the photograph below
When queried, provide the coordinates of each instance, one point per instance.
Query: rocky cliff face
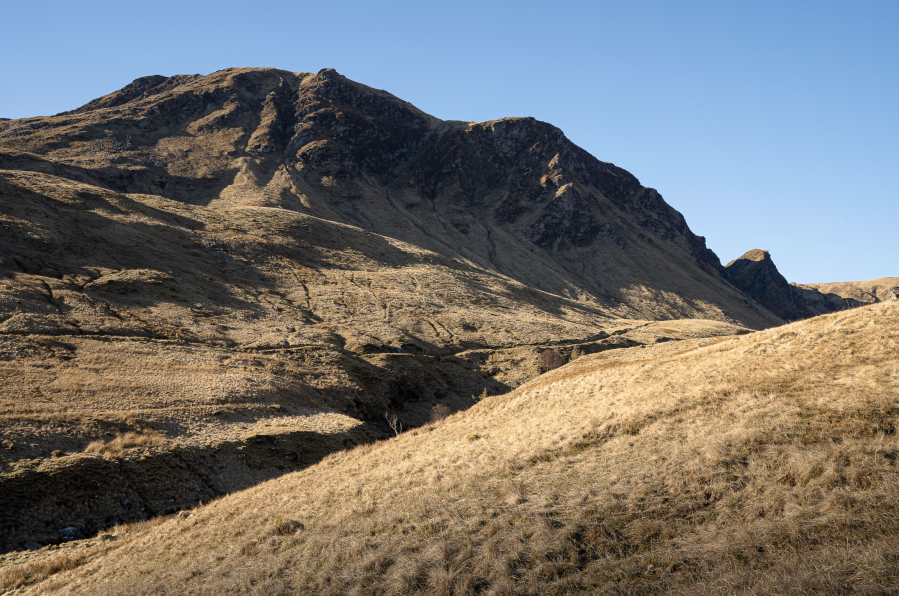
(756, 275)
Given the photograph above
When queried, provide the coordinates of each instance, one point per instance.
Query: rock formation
(756, 275)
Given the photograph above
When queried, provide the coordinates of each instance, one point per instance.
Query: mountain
(757, 276)
(513, 197)
(751, 465)
(209, 282)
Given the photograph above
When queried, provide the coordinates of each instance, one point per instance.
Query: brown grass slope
(254, 340)
(762, 464)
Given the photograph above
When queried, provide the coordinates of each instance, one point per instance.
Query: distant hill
(829, 297)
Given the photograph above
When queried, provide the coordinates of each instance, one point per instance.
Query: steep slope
(512, 196)
(724, 466)
(756, 275)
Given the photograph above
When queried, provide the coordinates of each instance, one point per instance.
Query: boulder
(70, 533)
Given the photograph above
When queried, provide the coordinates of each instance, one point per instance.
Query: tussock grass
(762, 464)
(13, 577)
(118, 445)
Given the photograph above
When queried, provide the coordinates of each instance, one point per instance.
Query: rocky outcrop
(138, 89)
(756, 275)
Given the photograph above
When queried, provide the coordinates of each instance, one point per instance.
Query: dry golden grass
(118, 445)
(761, 464)
(32, 572)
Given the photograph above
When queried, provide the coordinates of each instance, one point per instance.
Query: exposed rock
(137, 89)
(565, 222)
(755, 274)
(70, 533)
(611, 231)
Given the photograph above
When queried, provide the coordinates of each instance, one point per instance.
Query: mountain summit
(755, 274)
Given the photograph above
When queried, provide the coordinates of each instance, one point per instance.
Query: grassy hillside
(765, 463)
(210, 281)
(234, 345)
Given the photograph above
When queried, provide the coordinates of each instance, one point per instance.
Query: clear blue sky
(770, 125)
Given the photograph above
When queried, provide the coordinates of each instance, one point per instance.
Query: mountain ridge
(335, 149)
